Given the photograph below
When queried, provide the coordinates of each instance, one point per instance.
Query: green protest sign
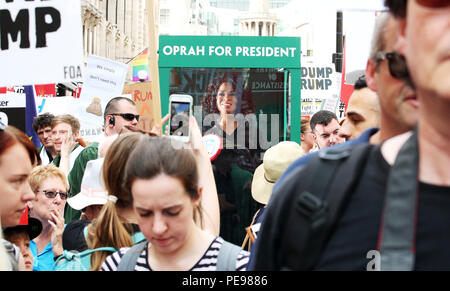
(262, 67)
(229, 52)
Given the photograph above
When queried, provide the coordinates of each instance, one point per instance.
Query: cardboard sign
(40, 42)
(12, 110)
(148, 107)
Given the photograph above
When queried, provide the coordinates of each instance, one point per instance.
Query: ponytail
(108, 230)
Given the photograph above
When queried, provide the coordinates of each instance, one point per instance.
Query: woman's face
(43, 206)
(164, 212)
(15, 191)
(226, 99)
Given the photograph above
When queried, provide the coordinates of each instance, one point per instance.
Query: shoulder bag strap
(129, 259)
(397, 234)
(226, 260)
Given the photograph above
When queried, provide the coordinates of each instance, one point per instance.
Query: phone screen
(179, 118)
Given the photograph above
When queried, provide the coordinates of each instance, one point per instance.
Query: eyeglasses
(397, 65)
(52, 194)
(127, 116)
(434, 3)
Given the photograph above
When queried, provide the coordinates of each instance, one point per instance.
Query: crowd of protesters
(144, 201)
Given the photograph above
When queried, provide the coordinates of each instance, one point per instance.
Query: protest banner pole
(152, 7)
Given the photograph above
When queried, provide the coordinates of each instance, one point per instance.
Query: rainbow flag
(140, 63)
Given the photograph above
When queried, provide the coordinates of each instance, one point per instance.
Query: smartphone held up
(180, 108)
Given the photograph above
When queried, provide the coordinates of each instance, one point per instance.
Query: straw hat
(93, 191)
(276, 160)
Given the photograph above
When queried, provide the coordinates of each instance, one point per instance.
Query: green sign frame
(233, 52)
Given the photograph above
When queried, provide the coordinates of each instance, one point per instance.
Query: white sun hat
(93, 191)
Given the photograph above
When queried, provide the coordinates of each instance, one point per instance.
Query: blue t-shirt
(43, 261)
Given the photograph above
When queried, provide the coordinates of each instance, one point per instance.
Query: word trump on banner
(318, 81)
(40, 42)
(21, 25)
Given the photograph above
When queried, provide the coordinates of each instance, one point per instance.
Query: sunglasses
(434, 3)
(397, 65)
(127, 116)
(52, 194)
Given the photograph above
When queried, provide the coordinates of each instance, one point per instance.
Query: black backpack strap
(315, 207)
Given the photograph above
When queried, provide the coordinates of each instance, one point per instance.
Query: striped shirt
(208, 261)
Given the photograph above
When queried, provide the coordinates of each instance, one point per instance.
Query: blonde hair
(109, 229)
(40, 173)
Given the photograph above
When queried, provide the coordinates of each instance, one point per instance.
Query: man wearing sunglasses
(398, 103)
(382, 226)
(119, 113)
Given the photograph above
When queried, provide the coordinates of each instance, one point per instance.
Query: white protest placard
(103, 78)
(318, 81)
(319, 88)
(41, 42)
(91, 125)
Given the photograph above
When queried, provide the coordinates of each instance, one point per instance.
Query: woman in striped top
(163, 181)
(207, 262)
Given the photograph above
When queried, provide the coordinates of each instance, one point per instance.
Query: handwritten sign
(148, 107)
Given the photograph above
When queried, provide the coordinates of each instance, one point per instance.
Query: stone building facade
(258, 21)
(114, 29)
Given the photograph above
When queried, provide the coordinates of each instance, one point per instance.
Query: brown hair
(304, 125)
(164, 155)
(397, 7)
(67, 118)
(10, 136)
(109, 229)
(209, 102)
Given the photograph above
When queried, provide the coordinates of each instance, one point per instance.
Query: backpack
(77, 261)
(81, 261)
(226, 259)
(310, 209)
